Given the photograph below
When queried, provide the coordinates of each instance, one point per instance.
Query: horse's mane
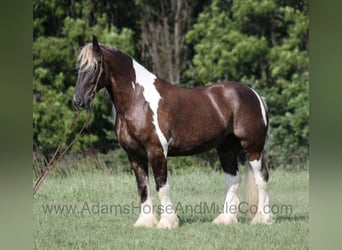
(87, 62)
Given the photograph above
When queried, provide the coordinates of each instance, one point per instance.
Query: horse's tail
(251, 193)
(264, 103)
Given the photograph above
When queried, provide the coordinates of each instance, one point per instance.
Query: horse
(155, 120)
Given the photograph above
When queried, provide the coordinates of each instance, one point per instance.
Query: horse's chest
(132, 135)
(124, 137)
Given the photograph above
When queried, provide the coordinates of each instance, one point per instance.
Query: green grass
(110, 229)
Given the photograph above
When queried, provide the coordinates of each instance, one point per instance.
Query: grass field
(97, 210)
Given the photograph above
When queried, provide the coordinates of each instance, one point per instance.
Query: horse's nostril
(77, 101)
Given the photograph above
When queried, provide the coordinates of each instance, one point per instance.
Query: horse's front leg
(147, 217)
(168, 217)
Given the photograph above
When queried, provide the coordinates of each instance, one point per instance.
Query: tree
(60, 28)
(163, 25)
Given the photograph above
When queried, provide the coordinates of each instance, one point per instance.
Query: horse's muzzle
(82, 103)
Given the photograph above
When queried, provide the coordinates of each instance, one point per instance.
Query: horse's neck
(129, 82)
(121, 96)
(125, 90)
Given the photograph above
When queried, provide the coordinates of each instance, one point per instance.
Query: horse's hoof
(225, 219)
(168, 222)
(260, 218)
(146, 221)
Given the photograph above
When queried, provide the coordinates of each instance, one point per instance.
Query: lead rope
(50, 165)
(53, 159)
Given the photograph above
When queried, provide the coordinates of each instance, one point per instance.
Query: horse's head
(90, 75)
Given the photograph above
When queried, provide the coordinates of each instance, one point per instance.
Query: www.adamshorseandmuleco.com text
(98, 208)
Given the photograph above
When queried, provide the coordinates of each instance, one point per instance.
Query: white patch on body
(146, 79)
(218, 110)
(231, 205)
(262, 107)
(264, 214)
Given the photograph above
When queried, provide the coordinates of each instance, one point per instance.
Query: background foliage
(262, 43)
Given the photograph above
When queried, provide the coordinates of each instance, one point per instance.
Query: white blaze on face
(146, 79)
(262, 107)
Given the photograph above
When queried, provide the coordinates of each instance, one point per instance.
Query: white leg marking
(168, 217)
(146, 79)
(264, 214)
(262, 107)
(231, 205)
(147, 217)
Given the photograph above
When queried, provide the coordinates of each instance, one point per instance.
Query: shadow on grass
(292, 218)
(185, 219)
(193, 219)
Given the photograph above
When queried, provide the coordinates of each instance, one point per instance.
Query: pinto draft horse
(156, 119)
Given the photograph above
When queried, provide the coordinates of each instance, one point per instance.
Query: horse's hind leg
(260, 173)
(147, 217)
(228, 153)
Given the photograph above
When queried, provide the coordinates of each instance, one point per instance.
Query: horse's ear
(80, 40)
(96, 47)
